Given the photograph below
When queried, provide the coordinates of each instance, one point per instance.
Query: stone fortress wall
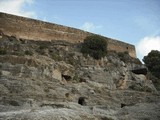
(32, 29)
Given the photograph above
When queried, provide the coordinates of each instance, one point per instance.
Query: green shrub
(17, 53)
(56, 57)
(3, 52)
(95, 46)
(14, 103)
(43, 46)
(123, 55)
(71, 60)
(42, 49)
(106, 118)
(27, 52)
(76, 77)
(152, 61)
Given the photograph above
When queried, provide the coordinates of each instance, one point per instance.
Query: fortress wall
(27, 28)
(38, 30)
(119, 46)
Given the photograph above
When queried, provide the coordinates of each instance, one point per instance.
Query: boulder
(56, 74)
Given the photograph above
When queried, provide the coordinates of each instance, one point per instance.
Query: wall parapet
(32, 29)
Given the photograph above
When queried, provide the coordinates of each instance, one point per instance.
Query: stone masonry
(32, 29)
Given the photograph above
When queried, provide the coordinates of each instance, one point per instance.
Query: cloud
(16, 7)
(89, 26)
(45, 19)
(147, 44)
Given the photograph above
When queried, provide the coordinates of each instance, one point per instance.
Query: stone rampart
(32, 29)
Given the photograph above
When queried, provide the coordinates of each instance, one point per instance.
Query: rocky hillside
(54, 81)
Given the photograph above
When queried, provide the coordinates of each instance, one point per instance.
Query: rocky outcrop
(141, 70)
(49, 81)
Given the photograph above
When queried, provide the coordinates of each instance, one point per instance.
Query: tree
(152, 61)
(95, 46)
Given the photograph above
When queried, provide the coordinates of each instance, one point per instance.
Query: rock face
(47, 81)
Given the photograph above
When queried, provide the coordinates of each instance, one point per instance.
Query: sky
(133, 21)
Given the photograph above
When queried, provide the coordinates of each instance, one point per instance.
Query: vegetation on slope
(95, 46)
(152, 61)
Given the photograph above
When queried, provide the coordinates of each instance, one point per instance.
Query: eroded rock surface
(45, 80)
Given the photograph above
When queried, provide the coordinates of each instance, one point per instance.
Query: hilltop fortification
(32, 29)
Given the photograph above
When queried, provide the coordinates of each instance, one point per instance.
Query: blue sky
(132, 21)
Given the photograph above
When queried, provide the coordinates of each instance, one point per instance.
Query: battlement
(32, 29)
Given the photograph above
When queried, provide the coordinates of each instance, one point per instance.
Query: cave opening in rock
(66, 77)
(82, 101)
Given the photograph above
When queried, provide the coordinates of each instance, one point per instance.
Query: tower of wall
(32, 29)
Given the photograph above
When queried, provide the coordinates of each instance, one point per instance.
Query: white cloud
(147, 44)
(29, 1)
(89, 26)
(16, 7)
(45, 19)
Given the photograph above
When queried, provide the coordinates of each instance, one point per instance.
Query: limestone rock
(56, 74)
(48, 86)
